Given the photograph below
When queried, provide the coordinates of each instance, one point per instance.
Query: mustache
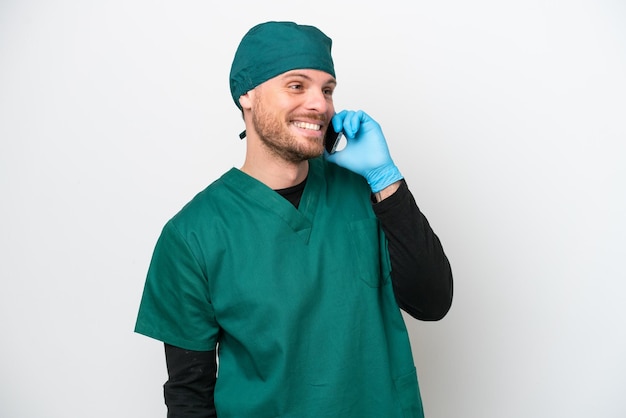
(312, 116)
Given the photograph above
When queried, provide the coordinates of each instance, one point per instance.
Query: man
(291, 270)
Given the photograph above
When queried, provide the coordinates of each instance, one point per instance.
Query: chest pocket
(370, 252)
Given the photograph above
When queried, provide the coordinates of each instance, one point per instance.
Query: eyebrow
(295, 73)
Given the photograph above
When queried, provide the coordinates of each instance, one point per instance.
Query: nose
(319, 101)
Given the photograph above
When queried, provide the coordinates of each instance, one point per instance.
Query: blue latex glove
(366, 152)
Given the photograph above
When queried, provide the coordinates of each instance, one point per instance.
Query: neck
(274, 172)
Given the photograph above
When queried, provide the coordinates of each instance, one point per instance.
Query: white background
(507, 119)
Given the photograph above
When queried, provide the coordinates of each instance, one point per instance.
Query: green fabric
(272, 48)
(299, 300)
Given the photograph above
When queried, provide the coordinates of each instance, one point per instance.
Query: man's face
(292, 111)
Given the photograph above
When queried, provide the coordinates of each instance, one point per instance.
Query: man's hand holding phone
(366, 152)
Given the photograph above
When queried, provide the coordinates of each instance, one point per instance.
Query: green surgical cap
(272, 48)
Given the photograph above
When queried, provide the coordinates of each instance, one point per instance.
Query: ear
(245, 101)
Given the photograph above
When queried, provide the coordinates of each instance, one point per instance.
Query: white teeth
(306, 125)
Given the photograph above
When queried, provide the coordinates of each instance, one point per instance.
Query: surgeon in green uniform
(290, 272)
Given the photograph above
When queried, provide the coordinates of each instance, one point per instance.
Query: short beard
(279, 140)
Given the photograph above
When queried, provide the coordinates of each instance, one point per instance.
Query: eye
(295, 86)
(328, 91)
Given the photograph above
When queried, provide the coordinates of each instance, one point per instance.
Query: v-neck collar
(299, 219)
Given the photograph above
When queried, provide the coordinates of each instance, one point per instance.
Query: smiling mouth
(309, 126)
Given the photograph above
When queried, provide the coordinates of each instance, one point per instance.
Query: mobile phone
(331, 139)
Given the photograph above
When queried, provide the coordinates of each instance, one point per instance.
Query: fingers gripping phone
(331, 139)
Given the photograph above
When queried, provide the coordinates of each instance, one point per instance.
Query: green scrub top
(298, 301)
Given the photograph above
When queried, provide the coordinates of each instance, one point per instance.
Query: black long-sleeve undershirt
(421, 278)
(189, 389)
(420, 271)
